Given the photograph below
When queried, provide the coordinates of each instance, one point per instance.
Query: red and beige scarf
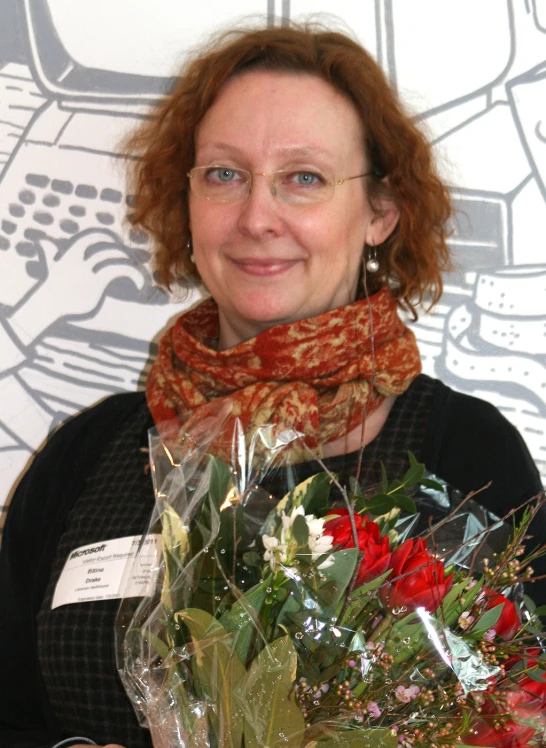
(315, 375)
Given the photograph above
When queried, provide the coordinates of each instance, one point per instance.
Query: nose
(260, 212)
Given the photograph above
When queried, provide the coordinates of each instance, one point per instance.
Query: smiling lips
(264, 267)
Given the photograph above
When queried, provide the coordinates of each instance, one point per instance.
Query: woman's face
(264, 261)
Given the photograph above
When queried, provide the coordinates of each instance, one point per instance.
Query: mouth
(270, 266)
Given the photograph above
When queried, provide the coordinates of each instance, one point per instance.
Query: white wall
(78, 305)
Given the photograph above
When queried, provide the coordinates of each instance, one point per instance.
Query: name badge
(107, 570)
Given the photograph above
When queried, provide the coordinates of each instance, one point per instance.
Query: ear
(384, 221)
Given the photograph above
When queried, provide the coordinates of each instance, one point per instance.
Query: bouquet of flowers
(325, 615)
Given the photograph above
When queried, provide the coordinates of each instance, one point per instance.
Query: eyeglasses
(227, 184)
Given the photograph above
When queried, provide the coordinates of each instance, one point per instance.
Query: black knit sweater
(89, 484)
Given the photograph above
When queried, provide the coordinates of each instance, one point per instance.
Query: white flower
(285, 549)
(315, 525)
(275, 552)
(319, 545)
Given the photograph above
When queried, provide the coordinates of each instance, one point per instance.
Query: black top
(89, 484)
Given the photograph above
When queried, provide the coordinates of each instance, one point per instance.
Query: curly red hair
(411, 260)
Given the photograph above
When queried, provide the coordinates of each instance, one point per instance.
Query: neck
(363, 434)
(232, 334)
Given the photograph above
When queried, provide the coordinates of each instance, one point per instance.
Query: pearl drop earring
(372, 263)
(188, 246)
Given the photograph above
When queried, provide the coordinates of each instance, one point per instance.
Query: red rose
(523, 698)
(526, 698)
(377, 553)
(422, 581)
(508, 623)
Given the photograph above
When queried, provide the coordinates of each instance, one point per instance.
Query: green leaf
(311, 493)
(300, 530)
(317, 497)
(373, 584)
(429, 483)
(384, 479)
(158, 644)
(381, 503)
(252, 558)
(537, 674)
(272, 717)
(335, 578)
(304, 556)
(230, 515)
(381, 737)
(242, 619)
(405, 503)
(361, 505)
(540, 611)
(416, 472)
(174, 534)
(452, 605)
(289, 609)
(219, 672)
(220, 481)
(175, 546)
(486, 621)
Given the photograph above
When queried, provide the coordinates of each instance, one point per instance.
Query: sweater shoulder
(475, 443)
(68, 455)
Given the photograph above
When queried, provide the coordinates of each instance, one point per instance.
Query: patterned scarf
(315, 375)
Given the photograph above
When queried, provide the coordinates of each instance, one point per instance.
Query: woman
(284, 174)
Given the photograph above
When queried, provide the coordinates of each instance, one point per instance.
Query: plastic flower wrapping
(288, 608)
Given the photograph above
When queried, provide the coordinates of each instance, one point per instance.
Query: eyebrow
(312, 150)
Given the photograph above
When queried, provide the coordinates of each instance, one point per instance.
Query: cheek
(210, 225)
(344, 229)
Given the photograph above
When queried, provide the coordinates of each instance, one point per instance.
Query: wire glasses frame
(284, 185)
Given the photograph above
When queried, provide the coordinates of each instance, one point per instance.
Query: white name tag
(105, 571)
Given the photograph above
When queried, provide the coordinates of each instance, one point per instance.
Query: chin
(270, 313)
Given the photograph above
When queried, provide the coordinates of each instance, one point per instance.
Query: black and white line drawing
(78, 304)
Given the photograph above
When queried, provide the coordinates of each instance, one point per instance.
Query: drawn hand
(77, 281)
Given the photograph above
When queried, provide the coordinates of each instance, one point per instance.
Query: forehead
(268, 113)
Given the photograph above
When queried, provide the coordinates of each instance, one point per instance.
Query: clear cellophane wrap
(287, 608)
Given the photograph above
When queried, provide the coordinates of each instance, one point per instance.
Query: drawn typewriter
(98, 66)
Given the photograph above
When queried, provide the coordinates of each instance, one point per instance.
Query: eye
(305, 179)
(223, 175)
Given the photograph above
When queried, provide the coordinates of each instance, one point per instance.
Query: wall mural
(78, 303)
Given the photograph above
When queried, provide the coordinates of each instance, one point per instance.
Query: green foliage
(356, 602)
(486, 622)
(394, 494)
(272, 718)
(459, 598)
(300, 531)
(221, 481)
(245, 653)
(332, 582)
(232, 528)
(175, 546)
(312, 494)
(219, 672)
(243, 618)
